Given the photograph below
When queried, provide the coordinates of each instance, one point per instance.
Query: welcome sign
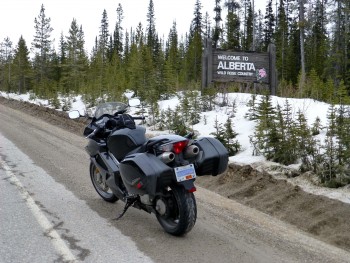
(220, 66)
(240, 66)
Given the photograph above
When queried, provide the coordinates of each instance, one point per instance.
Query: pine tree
(219, 132)
(275, 138)
(206, 26)
(252, 108)
(195, 46)
(281, 36)
(162, 121)
(151, 30)
(264, 138)
(342, 94)
(307, 146)
(232, 145)
(207, 98)
(290, 149)
(178, 125)
(339, 54)
(232, 29)
(41, 46)
(302, 24)
(249, 25)
(185, 106)
(217, 29)
(195, 107)
(6, 52)
(62, 62)
(314, 87)
(22, 70)
(76, 60)
(118, 33)
(169, 117)
(343, 124)
(259, 33)
(133, 63)
(292, 59)
(269, 26)
(103, 47)
(316, 47)
(172, 64)
(330, 165)
(316, 127)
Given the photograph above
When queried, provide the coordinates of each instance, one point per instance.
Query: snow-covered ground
(244, 127)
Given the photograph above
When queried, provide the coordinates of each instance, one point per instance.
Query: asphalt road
(49, 212)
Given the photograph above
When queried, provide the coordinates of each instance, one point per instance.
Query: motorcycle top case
(123, 141)
(143, 172)
(212, 158)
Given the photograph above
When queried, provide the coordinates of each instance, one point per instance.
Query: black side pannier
(212, 158)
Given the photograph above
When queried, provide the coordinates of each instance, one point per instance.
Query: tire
(103, 190)
(181, 213)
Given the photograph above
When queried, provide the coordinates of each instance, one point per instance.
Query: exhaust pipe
(191, 151)
(167, 157)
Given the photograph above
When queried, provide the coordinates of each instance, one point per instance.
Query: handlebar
(97, 130)
(138, 118)
(110, 124)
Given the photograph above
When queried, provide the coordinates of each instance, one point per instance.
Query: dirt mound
(326, 219)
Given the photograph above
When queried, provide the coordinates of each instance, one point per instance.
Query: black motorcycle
(157, 174)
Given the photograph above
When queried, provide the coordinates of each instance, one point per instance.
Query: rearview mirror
(134, 102)
(74, 114)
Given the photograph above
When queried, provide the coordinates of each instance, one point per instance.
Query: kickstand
(128, 203)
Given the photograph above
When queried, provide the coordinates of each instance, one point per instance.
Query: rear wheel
(177, 211)
(100, 185)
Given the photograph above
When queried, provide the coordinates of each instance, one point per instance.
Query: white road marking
(57, 242)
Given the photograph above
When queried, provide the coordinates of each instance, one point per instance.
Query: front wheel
(177, 211)
(100, 185)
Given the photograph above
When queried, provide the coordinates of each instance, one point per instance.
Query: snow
(244, 127)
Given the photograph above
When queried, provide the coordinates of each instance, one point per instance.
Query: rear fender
(188, 185)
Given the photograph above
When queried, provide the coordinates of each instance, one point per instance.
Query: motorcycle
(157, 174)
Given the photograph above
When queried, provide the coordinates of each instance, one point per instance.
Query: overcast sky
(17, 16)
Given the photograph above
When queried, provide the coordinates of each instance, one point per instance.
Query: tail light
(192, 190)
(176, 147)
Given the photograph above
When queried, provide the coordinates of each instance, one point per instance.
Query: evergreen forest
(312, 39)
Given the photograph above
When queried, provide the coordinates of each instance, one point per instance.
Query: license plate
(184, 173)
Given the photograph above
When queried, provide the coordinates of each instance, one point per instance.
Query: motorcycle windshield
(109, 108)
